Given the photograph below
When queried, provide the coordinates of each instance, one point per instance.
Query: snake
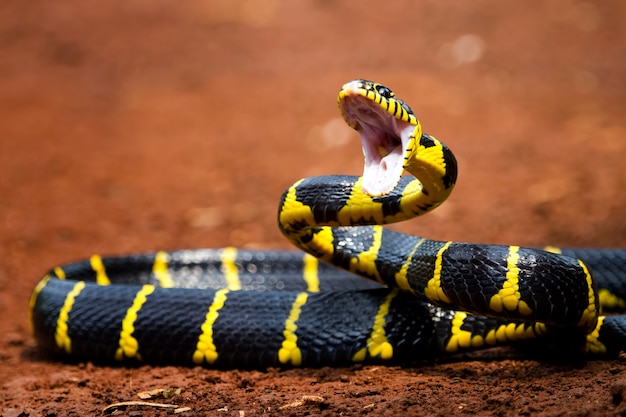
(354, 292)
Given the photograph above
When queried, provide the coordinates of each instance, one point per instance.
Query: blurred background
(131, 126)
(143, 125)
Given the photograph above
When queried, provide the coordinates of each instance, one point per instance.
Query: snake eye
(384, 91)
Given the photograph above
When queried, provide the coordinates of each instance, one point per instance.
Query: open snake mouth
(384, 138)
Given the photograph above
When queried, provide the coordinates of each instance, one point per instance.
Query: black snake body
(422, 298)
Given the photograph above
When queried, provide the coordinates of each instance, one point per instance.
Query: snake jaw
(384, 138)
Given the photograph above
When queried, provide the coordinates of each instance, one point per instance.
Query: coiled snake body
(421, 298)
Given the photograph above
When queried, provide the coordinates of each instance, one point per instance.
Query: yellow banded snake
(421, 298)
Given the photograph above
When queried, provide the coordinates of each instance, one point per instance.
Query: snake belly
(376, 296)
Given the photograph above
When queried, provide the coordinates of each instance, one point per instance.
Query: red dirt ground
(139, 125)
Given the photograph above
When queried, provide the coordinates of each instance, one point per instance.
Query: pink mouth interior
(384, 140)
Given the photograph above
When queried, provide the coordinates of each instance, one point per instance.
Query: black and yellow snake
(241, 308)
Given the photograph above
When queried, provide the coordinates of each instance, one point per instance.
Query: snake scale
(420, 298)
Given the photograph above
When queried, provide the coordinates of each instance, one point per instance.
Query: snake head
(387, 127)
